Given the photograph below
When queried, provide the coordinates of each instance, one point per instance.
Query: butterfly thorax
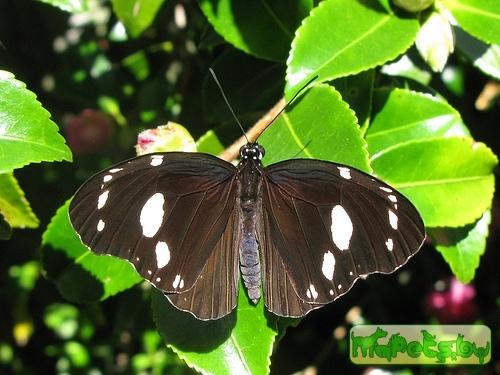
(249, 205)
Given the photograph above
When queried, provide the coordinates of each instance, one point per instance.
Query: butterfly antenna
(306, 85)
(227, 103)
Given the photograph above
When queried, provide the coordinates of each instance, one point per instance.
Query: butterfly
(299, 232)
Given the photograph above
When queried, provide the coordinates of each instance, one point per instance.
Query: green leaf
(240, 343)
(479, 18)
(71, 6)
(450, 180)
(320, 125)
(80, 275)
(463, 247)
(343, 37)
(483, 56)
(209, 143)
(262, 28)
(13, 204)
(136, 15)
(402, 115)
(27, 135)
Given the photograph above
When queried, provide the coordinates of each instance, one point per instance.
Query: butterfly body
(299, 232)
(249, 203)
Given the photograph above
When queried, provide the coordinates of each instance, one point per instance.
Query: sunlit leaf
(342, 37)
(462, 248)
(402, 115)
(479, 18)
(450, 180)
(320, 125)
(14, 206)
(27, 135)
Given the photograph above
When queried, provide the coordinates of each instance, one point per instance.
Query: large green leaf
(484, 56)
(450, 180)
(136, 15)
(320, 125)
(27, 135)
(240, 343)
(342, 37)
(479, 18)
(463, 247)
(262, 28)
(13, 204)
(402, 115)
(80, 275)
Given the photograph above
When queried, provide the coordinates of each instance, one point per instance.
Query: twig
(233, 151)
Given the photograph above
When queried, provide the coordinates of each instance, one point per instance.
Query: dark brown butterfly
(305, 230)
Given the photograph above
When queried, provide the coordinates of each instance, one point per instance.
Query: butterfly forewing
(167, 214)
(329, 225)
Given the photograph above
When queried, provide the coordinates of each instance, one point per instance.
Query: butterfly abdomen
(249, 202)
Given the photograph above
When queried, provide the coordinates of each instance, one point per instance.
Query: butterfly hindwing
(214, 293)
(167, 214)
(330, 225)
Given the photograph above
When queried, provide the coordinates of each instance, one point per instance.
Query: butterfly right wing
(168, 214)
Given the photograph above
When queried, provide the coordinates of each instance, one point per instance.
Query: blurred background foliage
(106, 70)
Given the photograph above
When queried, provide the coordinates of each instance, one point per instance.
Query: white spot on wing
(389, 244)
(156, 160)
(341, 227)
(107, 178)
(150, 272)
(177, 280)
(158, 279)
(345, 172)
(328, 265)
(331, 292)
(101, 201)
(339, 286)
(152, 215)
(393, 220)
(162, 254)
(181, 284)
(385, 189)
(114, 170)
(392, 198)
(311, 292)
(100, 225)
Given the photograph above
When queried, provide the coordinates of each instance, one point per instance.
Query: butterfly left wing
(167, 214)
(325, 226)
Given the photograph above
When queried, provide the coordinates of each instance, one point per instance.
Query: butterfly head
(252, 151)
